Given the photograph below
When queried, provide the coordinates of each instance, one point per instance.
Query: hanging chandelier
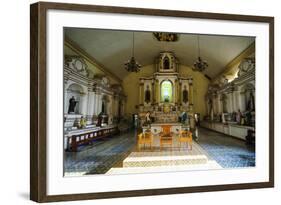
(199, 65)
(132, 65)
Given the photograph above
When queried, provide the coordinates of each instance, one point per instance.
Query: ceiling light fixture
(132, 65)
(199, 65)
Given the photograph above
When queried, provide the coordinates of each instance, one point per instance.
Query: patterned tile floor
(229, 152)
(104, 154)
(99, 157)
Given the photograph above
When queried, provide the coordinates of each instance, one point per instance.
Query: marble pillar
(234, 101)
(99, 103)
(90, 109)
(157, 94)
(176, 92)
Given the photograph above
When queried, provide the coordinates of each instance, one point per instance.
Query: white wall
(14, 103)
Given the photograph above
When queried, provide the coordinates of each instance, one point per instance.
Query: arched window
(166, 91)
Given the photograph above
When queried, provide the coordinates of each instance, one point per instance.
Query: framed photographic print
(135, 102)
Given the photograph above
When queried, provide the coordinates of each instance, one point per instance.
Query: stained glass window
(166, 91)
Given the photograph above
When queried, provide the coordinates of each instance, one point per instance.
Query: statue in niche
(72, 104)
(248, 118)
(238, 117)
(82, 123)
(147, 95)
(166, 63)
(185, 95)
(103, 108)
(251, 102)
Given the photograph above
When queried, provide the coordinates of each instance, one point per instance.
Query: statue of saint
(183, 117)
(72, 104)
(147, 95)
(166, 63)
(249, 118)
(251, 103)
(238, 116)
(147, 118)
(82, 122)
(185, 95)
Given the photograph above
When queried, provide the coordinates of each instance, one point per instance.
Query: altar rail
(86, 138)
(238, 131)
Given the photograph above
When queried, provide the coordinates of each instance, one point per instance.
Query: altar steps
(168, 159)
(155, 160)
(210, 165)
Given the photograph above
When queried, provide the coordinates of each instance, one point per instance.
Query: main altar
(166, 95)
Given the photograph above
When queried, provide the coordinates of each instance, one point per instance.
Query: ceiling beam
(77, 49)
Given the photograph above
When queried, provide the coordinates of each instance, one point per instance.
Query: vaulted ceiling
(112, 48)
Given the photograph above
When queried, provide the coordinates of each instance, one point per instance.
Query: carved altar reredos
(165, 94)
(94, 93)
(226, 98)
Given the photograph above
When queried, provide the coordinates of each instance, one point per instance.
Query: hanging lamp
(132, 65)
(199, 65)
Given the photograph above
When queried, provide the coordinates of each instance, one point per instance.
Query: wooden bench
(75, 141)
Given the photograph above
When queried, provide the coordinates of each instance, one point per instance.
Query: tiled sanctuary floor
(106, 153)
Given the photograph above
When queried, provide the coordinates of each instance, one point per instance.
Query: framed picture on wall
(136, 102)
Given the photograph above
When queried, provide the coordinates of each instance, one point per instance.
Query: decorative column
(242, 101)
(90, 107)
(230, 105)
(176, 92)
(65, 80)
(152, 93)
(157, 91)
(235, 101)
(219, 104)
(84, 99)
(98, 103)
(190, 82)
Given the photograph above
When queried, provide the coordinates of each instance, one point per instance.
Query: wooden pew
(75, 141)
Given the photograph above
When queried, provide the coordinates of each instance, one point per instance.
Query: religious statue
(223, 118)
(185, 95)
(197, 119)
(238, 116)
(82, 122)
(249, 118)
(183, 117)
(211, 111)
(166, 63)
(147, 118)
(251, 103)
(147, 95)
(72, 104)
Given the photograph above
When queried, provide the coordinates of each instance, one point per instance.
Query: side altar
(165, 95)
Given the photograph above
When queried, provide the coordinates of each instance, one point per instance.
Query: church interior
(142, 102)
